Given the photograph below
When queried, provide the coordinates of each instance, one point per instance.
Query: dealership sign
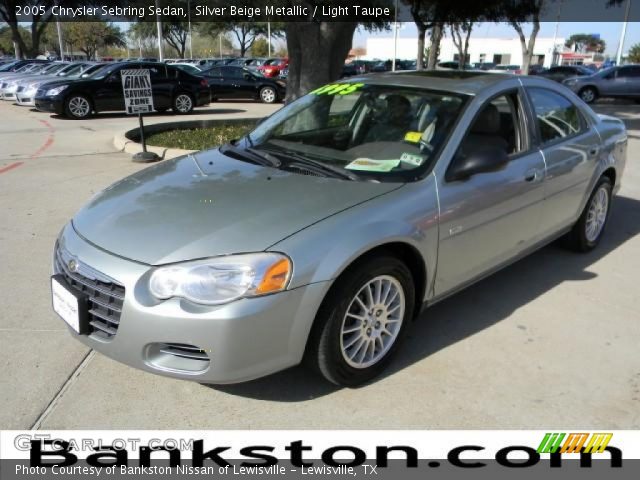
(138, 96)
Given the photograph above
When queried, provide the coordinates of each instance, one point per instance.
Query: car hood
(207, 204)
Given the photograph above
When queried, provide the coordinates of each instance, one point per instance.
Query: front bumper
(49, 104)
(242, 340)
(26, 98)
(8, 93)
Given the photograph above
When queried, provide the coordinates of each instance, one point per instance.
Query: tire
(588, 94)
(587, 232)
(183, 104)
(335, 347)
(268, 95)
(78, 107)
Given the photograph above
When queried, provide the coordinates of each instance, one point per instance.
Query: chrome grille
(105, 297)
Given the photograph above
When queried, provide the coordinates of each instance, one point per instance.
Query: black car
(172, 88)
(238, 82)
(563, 72)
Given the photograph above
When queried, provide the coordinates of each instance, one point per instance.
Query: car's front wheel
(77, 107)
(588, 230)
(362, 321)
(588, 94)
(183, 104)
(268, 94)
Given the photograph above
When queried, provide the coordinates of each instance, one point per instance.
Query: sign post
(138, 99)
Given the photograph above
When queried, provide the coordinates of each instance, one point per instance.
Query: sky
(609, 31)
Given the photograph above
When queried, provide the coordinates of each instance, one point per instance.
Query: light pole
(60, 44)
(190, 36)
(269, 38)
(159, 28)
(623, 34)
(395, 39)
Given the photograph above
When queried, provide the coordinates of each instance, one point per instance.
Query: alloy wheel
(597, 214)
(268, 95)
(588, 95)
(372, 322)
(183, 103)
(79, 107)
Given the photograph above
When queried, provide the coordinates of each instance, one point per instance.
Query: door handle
(532, 175)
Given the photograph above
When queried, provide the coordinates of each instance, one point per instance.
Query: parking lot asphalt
(551, 341)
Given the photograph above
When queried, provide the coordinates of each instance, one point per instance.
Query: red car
(272, 67)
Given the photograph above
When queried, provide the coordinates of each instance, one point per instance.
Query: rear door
(161, 84)
(236, 84)
(216, 82)
(488, 218)
(570, 146)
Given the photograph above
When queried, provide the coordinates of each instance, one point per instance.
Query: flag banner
(391, 454)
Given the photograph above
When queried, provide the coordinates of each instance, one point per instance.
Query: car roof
(466, 82)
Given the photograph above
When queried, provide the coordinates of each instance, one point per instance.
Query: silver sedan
(323, 233)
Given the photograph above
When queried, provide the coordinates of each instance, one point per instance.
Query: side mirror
(485, 159)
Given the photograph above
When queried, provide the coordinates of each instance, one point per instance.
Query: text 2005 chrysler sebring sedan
(323, 233)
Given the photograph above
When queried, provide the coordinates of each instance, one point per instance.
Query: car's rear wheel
(588, 230)
(268, 94)
(183, 104)
(362, 321)
(77, 107)
(588, 94)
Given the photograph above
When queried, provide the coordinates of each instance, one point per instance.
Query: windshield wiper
(250, 154)
(328, 170)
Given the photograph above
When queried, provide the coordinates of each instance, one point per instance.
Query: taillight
(203, 83)
(518, 72)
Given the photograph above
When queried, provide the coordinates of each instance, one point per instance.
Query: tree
(586, 42)
(634, 53)
(88, 37)
(31, 47)
(175, 32)
(460, 33)
(260, 48)
(527, 46)
(330, 43)
(245, 33)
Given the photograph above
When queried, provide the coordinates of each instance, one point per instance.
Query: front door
(490, 217)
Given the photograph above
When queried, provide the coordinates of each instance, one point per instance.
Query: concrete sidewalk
(551, 341)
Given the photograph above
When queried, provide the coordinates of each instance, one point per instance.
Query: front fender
(409, 215)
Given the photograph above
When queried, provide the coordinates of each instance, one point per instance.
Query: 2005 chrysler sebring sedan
(326, 230)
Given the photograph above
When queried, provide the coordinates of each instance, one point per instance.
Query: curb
(123, 144)
(126, 141)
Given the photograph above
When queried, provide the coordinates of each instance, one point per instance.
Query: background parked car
(189, 68)
(27, 90)
(273, 66)
(614, 82)
(515, 69)
(562, 72)
(172, 88)
(238, 82)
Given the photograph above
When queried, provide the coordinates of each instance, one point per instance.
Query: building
(503, 51)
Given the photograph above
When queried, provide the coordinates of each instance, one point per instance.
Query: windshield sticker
(411, 159)
(338, 88)
(370, 165)
(413, 137)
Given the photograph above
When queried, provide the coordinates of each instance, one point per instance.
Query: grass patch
(201, 138)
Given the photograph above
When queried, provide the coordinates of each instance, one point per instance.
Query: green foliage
(88, 37)
(634, 53)
(260, 48)
(201, 138)
(586, 42)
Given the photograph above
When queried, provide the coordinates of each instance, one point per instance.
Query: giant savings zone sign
(138, 94)
(310, 452)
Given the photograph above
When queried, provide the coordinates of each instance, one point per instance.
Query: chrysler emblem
(73, 265)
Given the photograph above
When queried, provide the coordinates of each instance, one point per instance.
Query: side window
(214, 73)
(232, 72)
(556, 115)
(499, 124)
(629, 72)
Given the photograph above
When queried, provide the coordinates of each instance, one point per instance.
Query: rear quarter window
(557, 116)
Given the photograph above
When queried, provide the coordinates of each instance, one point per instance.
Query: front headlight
(222, 279)
(55, 91)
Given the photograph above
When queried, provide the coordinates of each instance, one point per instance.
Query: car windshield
(7, 66)
(71, 70)
(365, 131)
(94, 70)
(105, 72)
